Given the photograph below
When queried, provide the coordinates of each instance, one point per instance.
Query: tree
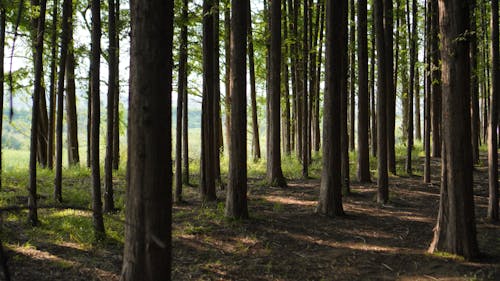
(492, 129)
(95, 119)
(382, 76)
(330, 198)
(427, 96)
(116, 103)
(182, 90)
(148, 229)
(65, 38)
(413, 60)
(274, 172)
(435, 81)
(391, 93)
(208, 147)
(253, 92)
(474, 53)
(236, 199)
(455, 231)
(53, 87)
(352, 75)
(71, 117)
(39, 26)
(363, 98)
(109, 204)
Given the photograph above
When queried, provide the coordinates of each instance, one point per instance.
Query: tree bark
(182, 88)
(352, 76)
(109, 204)
(372, 87)
(116, 102)
(455, 231)
(208, 177)
(330, 198)
(53, 87)
(148, 228)
(363, 97)
(253, 91)
(391, 93)
(95, 118)
(71, 117)
(475, 123)
(413, 60)
(427, 96)
(39, 25)
(435, 81)
(305, 94)
(236, 199)
(382, 100)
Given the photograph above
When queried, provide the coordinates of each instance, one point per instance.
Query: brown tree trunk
(382, 92)
(330, 198)
(435, 81)
(391, 93)
(227, 48)
(148, 228)
(39, 26)
(492, 130)
(316, 124)
(253, 91)
(236, 199)
(116, 102)
(352, 76)
(182, 88)
(109, 204)
(427, 96)
(305, 94)
(53, 87)
(208, 177)
(274, 174)
(65, 39)
(217, 128)
(363, 97)
(455, 231)
(418, 121)
(71, 117)
(413, 59)
(95, 118)
(372, 87)
(475, 123)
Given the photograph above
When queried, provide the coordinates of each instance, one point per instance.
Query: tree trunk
(391, 93)
(382, 92)
(148, 228)
(39, 26)
(109, 204)
(305, 94)
(344, 100)
(352, 76)
(316, 124)
(413, 59)
(182, 88)
(330, 198)
(286, 111)
(53, 87)
(363, 97)
(65, 39)
(475, 123)
(227, 48)
(253, 91)
(208, 177)
(427, 96)
(72, 119)
(116, 102)
(492, 130)
(217, 128)
(372, 87)
(95, 118)
(455, 231)
(236, 199)
(418, 122)
(435, 81)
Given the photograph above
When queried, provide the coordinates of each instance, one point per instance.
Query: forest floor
(284, 239)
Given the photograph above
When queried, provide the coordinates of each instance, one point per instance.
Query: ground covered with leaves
(285, 239)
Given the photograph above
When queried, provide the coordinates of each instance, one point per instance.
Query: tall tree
(53, 86)
(236, 199)
(71, 115)
(492, 129)
(382, 92)
(182, 88)
(116, 102)
(413, 59)
(109, 204)
(274, 173)
(363, 97)
(427, 96)
(208, 147)
(391, 93)
(148, 227)
(352, 75)
(372, 87)
(39, 26)
(455, 231)
(253, 91)
(65, 38)
(305, 93)
(436, 90)
(330, 198)
(474, 53)
(95, 118)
